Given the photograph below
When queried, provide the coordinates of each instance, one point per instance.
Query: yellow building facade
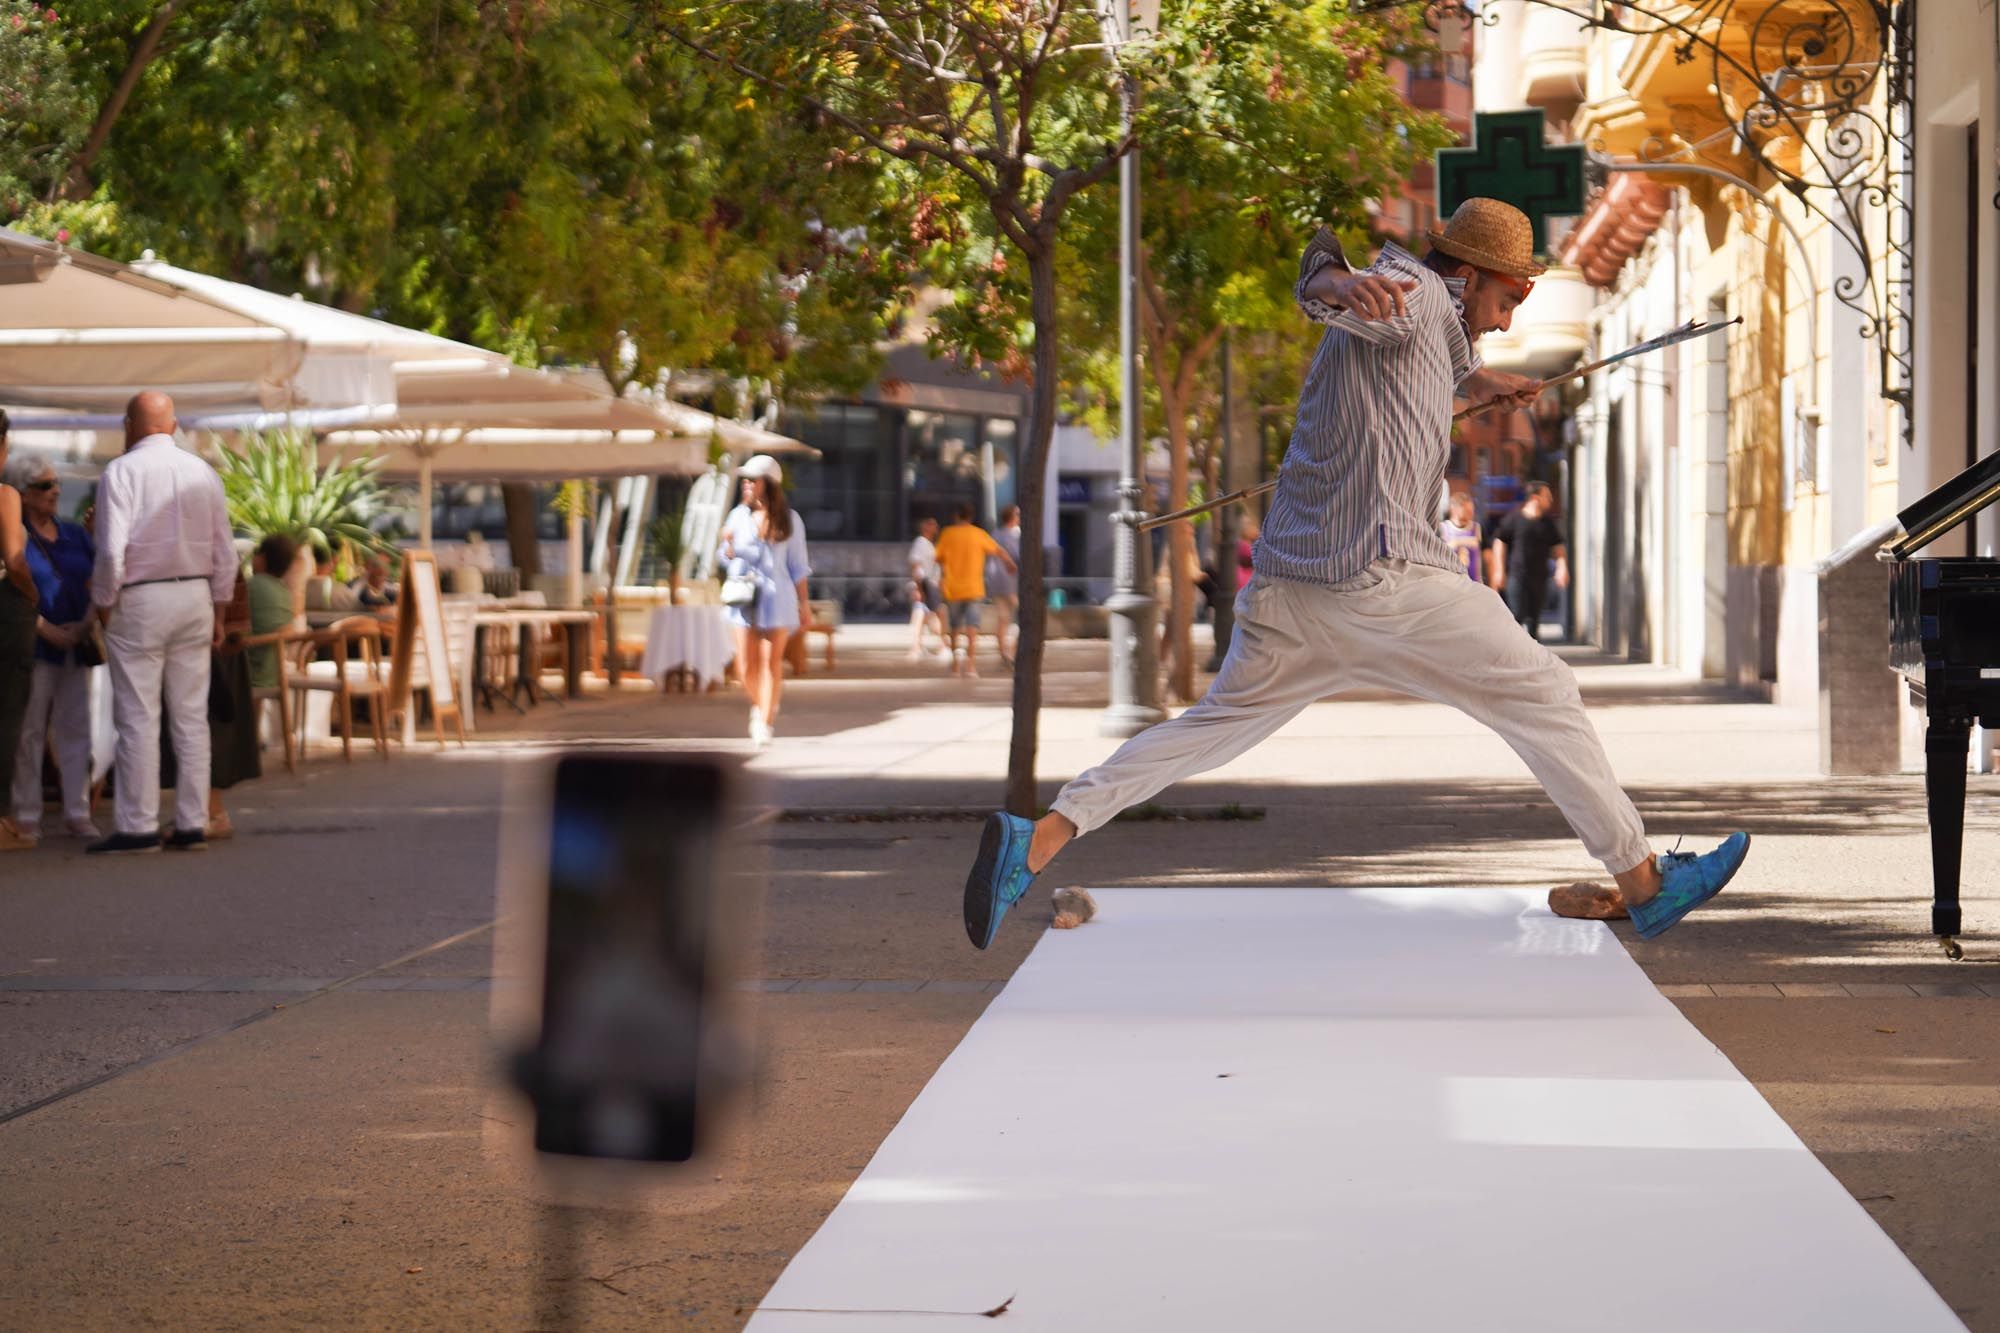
(1712, 484)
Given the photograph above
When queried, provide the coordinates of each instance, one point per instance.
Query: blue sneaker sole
(982, 896)
(1660, 928)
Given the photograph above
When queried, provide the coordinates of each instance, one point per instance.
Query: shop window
(849, 493)
(941, 467)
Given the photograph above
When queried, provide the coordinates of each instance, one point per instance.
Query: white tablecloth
(694, 637)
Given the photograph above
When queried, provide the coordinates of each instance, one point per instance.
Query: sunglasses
(50, 485)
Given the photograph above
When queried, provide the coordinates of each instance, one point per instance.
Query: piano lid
(1947, 506)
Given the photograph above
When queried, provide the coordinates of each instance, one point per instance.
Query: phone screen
(632, 870)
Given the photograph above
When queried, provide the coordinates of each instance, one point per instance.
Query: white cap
(761, 465)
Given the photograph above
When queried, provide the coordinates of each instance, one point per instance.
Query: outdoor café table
(576, 627)
(692, 637)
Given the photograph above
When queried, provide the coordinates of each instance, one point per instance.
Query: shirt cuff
(1323, 250)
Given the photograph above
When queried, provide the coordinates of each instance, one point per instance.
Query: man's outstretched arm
(1372, 307)
(1486, 388)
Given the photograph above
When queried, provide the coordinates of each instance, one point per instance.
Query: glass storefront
(850, 493)
(461, 508)
(941, 464)
(884, 468)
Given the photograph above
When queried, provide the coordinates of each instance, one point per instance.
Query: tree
(1264, 122)
(1004, 106)
(44, 113)
(527, 177)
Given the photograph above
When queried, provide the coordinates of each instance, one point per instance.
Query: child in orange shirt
(962, 551)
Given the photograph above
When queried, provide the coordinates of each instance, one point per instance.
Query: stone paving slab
(1373, 791)
(344, 1165)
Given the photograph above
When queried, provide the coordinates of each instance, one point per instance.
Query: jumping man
(1354, 587)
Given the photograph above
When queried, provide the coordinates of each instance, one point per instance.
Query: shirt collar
(145, 441)
(1398, 257)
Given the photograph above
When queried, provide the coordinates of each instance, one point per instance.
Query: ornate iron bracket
(1820, 101)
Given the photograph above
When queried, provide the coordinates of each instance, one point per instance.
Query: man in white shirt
(925, 599)
(166, 569)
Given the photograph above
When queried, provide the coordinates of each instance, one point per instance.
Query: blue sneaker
(1686, 882)
(999, 876)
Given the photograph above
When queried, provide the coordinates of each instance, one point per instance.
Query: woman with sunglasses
(17, 633)
(59, 556)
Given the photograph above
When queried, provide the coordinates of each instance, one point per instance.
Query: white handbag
(738, 590)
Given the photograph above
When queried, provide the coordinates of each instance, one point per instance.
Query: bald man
(166, 568)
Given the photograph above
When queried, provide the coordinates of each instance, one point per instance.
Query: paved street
(258, 1082)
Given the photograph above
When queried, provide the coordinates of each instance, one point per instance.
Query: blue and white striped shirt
(1361, 479)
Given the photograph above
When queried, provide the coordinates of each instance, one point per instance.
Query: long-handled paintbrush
(1682, 334)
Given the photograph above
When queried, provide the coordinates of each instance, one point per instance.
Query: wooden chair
(353, 677)
(285, 645)
(826, 619)
(626, 644)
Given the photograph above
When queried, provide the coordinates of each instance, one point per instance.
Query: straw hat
(762, 465)
(1492, 235)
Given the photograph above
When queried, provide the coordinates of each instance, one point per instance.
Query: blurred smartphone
(625, 1064)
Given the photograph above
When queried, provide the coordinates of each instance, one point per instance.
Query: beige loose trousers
(1415, 629)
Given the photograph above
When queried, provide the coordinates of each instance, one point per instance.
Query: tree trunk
(522, 543)
(1028, 492)
(1181, 558)
(76, 181)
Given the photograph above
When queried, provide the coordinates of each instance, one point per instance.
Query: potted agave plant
(275, 483)
(666, 539)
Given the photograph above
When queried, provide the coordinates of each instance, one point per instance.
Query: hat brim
(1472, 254)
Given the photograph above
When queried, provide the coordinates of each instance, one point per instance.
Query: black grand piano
(1944, 637)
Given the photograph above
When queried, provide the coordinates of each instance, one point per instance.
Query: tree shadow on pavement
(1837, 888)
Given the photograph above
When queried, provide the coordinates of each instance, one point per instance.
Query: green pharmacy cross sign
(1509, 160)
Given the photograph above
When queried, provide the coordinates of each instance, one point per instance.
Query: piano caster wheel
(1951, 949)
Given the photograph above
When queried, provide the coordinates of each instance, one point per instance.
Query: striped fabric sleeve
(1321, 251)
(1386, 332)
(1324, 250)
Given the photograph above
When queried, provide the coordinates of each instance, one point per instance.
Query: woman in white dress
(764, 547)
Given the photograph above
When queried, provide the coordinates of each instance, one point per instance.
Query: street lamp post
(1135, 674)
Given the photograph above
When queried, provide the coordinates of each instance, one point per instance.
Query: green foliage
(576, 499)
(666, 535)
(532, 178)
(1261, 122)
(275, 484)
(43, 115)
(1000, 114)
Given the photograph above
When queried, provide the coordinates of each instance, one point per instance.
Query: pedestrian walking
(962, 552)
(18, 598)
(926, 601)
(1528, 551)
(763, 549)
(1003, 584)
(1244, 558)
(164, 577)
(1354, 586)
(59, 556)
(1460, 530)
